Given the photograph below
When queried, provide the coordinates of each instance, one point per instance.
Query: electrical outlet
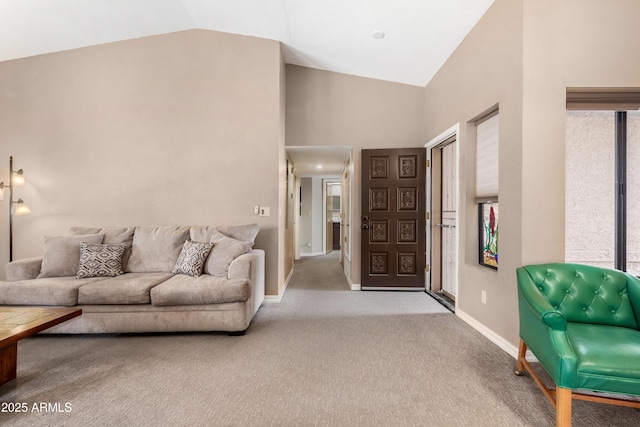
(264, 211)
(483, 297)
(256, 210)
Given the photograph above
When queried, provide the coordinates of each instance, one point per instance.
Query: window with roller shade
(487, 172)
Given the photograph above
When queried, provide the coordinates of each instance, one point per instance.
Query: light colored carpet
(324, 356)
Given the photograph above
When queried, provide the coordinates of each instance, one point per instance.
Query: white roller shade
(487, 133)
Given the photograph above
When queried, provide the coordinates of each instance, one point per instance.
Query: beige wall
(522, 56)
(332, 109)
(180, 128)
(485, 71)
(572, 43)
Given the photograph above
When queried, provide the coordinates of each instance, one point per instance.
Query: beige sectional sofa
(145, 278)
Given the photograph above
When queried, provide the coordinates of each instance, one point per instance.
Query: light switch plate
(264, 211)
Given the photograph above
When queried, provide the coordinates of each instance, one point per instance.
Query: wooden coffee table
(17, 323)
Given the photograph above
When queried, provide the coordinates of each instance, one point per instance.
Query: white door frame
(452, 131)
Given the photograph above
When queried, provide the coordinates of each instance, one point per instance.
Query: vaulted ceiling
(403, 41)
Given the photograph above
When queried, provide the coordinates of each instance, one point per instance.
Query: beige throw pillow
(245, 233)
(156, 248)
(62, 254)
(225, 249)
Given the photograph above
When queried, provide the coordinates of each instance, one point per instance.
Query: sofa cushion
(100, 260)
(112, 235)
(45, 291)
(156, 248)
(245, 233)
(62, 254)
(129, 288)
(204, 289)
(192, 257)
(225, 249)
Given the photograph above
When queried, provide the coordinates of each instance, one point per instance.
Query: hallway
(321, 288)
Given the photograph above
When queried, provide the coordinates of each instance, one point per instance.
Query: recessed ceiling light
(319, 167)
(378, 34)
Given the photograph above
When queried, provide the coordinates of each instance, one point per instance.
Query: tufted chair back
(588, 294)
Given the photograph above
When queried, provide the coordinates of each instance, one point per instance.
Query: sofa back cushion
(584, 293)
(245, 233)
(112, 236)
(156, 248)
(62, 254)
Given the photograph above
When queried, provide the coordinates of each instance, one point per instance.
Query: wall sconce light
(16, 179)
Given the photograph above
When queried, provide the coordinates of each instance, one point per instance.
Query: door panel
(393, 219)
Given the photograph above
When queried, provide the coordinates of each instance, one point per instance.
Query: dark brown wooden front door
(393, 219)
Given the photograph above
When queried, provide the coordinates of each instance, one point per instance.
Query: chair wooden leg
(522, 354)
(563, 407)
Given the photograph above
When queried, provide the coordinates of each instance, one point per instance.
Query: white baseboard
(493, 337)
(278, 298)
(353, 286)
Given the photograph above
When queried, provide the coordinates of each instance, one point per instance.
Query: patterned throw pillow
(100, 260)
(192, 257)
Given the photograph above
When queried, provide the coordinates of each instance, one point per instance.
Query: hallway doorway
(323, 202)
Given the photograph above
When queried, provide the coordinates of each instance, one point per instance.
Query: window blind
(487, 133)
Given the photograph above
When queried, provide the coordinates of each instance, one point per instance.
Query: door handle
(445, 226)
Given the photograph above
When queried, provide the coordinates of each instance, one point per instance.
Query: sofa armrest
(544, 330)
(240, 267)
(23, 269)
(633, 289)
(250, 266)
(531, 299)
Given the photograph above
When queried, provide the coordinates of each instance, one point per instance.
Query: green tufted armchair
(582, 324)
